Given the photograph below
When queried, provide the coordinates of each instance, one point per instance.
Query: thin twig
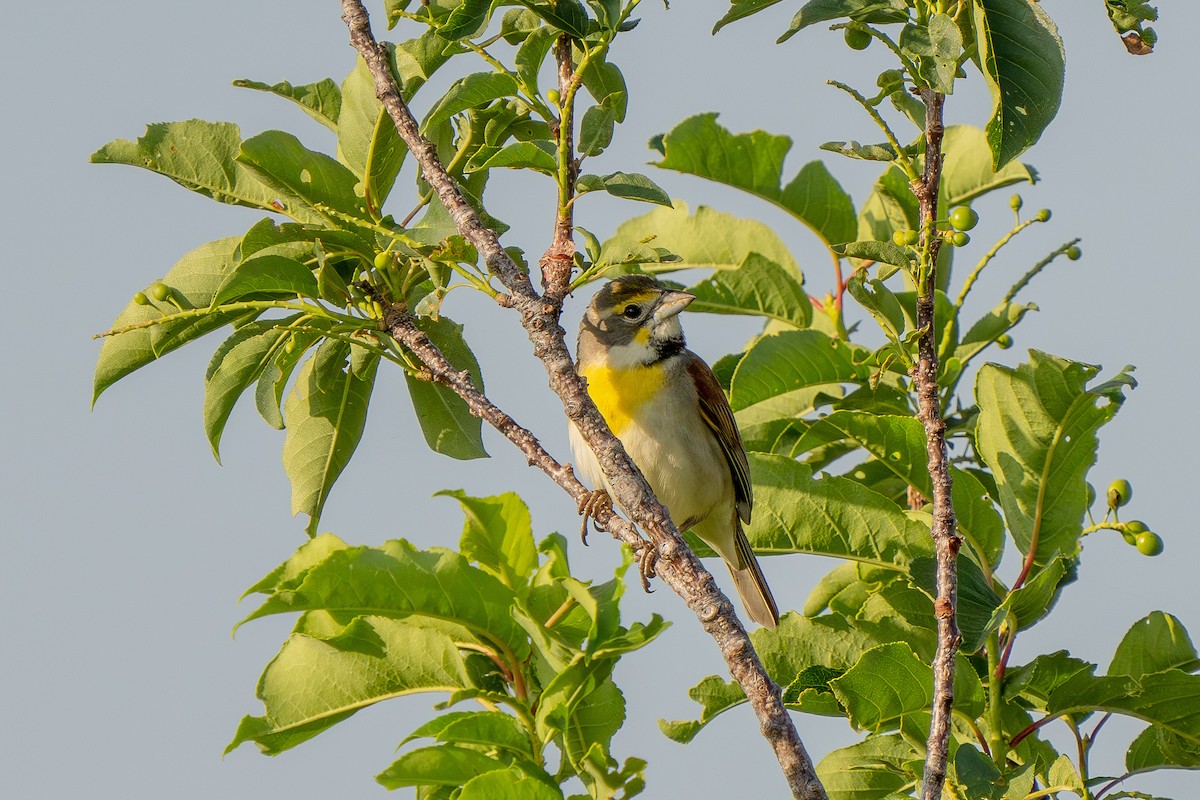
(946, 543)
(677, 566)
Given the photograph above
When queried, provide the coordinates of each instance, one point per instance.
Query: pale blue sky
(126, 546)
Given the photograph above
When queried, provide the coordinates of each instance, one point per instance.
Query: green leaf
(569, 16)
(977, 601)
(606, 84)
(594, 720)
(507, 784)
(936, 46)
(714, 696)
(397, 580)
(194, 280)
(740, 9)
(979, 779)
(289, 574)
(874, 769)
(596, 130)
(861, 152)
(1037, 433)
(883, 252)
(1168, 699)
(707, 238)
(305, 178)
(1155, 748)
(531, 55)
(445, 765)
(635, 186)
(235, 365)
(312, 684)
(991, 327)
(1155, 643)
(445, 419)
(498, 535)
(466, 19)
(833, 516)
(326, 414)
(417, 60)
(537, 155)
(967, 170)
(759, 287)
(781, 374)
(872, 11)
(887, 683)
(321, 100)
(267, 275)
(474, 90)
(368, 142)
(200, 156)
(486, 728)
(1029, 604)
(1022, 60)
(268, 394)
(754, 162)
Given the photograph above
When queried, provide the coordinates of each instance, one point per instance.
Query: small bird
(667, 408)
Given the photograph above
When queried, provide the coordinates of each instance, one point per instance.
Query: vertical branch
(558, 259)
(677, 566)
(929, 411)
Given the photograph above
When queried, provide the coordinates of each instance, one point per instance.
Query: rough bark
(677, 566)
(946, 542)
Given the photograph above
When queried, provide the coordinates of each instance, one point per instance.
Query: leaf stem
(902, 159)
(987, 258)
(1038, 267)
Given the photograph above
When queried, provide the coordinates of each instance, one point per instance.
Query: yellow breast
(621, 393)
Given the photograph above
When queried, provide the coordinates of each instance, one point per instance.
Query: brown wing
(715, 410)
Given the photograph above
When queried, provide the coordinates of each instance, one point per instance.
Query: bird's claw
(592, 503)
(647, 556)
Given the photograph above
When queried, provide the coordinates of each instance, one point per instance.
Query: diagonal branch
(946, 543)
(677, 565)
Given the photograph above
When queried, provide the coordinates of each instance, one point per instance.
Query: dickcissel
(667, 408)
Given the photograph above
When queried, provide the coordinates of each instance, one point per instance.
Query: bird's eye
(632, 311)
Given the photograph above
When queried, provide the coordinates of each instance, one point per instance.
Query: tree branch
(677, 566)
(929, 411)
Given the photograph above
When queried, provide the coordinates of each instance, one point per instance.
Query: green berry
(1004, 341)
(1091, 494)
(959, 239)
(1074, 253)
(898, 238)
(141, 299)
(1149, 543)
(1120, 492)
(383, 260)
(1135, 527)
(857, 39)
(1043, 215)
(553, 97)
(1015, 202)
(290, 347)
(911, 237)
(159, 291)
(963, 218)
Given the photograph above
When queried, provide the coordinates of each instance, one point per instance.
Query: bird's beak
(671, 304)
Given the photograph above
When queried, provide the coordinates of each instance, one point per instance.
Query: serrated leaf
(758, 286)
(200, 156)
(1037, 433)
(753, 162)
(321, 100)
(194, 279)
(1169, 700)
(445, 419)
(1022, 60)
(474, 90)
(874, 769)
(780, 375)
(498, 535)
(832, 516)
(326, 413)
(305, 179)
(397, 580)
(707, 238)
(311, 684)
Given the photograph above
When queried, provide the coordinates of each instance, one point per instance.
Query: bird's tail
(752, 585)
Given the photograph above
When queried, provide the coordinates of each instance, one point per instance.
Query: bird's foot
(647, 556)
(592, 503)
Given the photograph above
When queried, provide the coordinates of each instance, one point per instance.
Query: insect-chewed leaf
(305, 178)
(1023, 61)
